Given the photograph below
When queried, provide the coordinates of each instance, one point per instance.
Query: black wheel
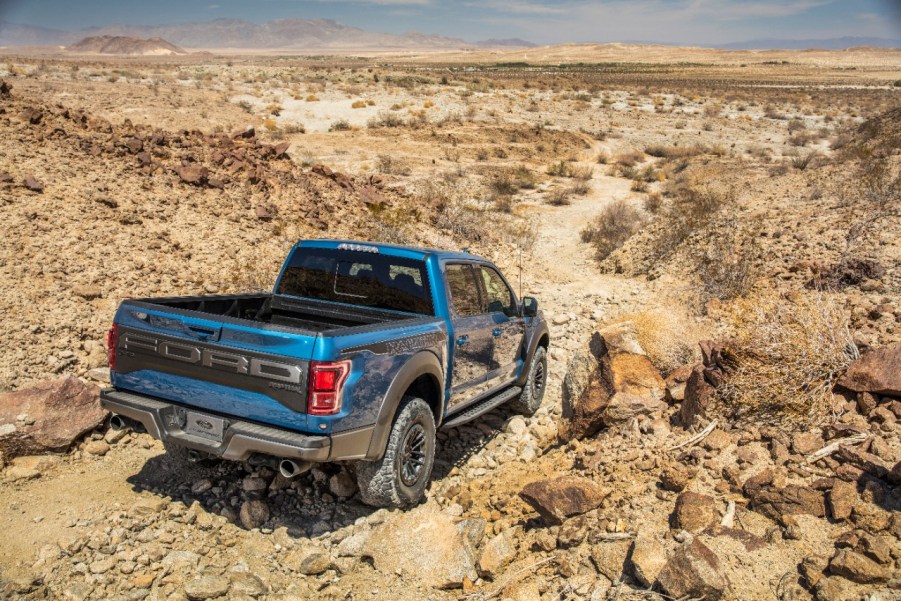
(536, 382)
(400, 477)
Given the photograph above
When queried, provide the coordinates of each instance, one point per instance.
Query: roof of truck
(412, 252)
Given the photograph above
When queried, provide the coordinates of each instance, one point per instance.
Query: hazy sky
(542, 21)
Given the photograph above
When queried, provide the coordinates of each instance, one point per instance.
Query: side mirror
(529, 306)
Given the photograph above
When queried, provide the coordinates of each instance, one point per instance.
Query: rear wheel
(400, 477)
(536, 381)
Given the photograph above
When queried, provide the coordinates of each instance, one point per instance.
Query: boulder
(254, 514)
(497, 553)
(32, 183)
(694, 571)
(676, 477)
(609, 383)
(698, 398)
(559, 498)
(648, 558)
(62, 410)
(609, 558)
(207, 586)
(424, 545)
(841, 499)
(779, 503)
(694, 512)
(193, 174)
(857, 568)
(309, 560)
(877, 372)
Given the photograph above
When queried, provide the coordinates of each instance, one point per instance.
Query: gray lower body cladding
(239, 439)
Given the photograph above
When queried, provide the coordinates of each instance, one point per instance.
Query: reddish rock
(676, 382)
(866, 402)
(216, 182)
(371, 196)
(281, 149)
(694, 512)
(694, 571)
(841, 499)
(877, 372)
(805, 443)
(779, 503)
(857, 568)
(676, 477)
(33, 184)
(63, 410)
(134, 145)
(263, 213)
(698, 398)
(609, 383)
(559, 498)
(193, 174)
(144, 159)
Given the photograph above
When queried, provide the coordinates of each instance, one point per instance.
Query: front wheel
(400, 477)
(536, 381)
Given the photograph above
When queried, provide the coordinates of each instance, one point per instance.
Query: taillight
(326, 381)
(112, 339)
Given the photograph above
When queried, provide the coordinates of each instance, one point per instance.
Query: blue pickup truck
(358, 355)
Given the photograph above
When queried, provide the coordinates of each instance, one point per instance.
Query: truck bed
(310, 316)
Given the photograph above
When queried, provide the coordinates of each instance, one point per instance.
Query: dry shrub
(790, 349)
(461, 219)
(610, 230)
(582, 173)
(629, 159)
(725, 265)
(669, 337)
(692, 209)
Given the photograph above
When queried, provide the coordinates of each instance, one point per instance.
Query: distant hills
(823, 43)
(327, 34)
(281, 34)
(106, 44)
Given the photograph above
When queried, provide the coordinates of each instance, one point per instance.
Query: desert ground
(679, 195)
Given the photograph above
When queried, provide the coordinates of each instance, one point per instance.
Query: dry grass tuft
(790, 349)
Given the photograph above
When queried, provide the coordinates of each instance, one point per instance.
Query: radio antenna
(520, 272)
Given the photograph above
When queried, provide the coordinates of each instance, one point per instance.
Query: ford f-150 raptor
(360, 352)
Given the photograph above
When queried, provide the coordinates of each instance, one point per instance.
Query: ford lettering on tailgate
(186, 352)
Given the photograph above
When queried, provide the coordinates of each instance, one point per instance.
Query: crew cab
(358, 355)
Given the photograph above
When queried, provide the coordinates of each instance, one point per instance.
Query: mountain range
(281, 34)
(327, 34)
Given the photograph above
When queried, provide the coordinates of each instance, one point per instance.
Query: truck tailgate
(233, 367)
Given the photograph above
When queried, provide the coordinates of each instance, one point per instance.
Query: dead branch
(697, 437)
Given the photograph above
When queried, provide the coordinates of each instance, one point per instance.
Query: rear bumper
(240, 439)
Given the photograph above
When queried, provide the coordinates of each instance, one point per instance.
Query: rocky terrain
(721, 420)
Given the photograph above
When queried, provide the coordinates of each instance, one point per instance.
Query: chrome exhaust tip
(117, 423)
(194, 456)
(291, 469)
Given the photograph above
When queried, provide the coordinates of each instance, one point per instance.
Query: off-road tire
(385, 483)
(529, 401)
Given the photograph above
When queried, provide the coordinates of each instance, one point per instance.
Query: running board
(482, 407)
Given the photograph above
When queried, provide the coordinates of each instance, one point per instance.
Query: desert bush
(725, 265)
(629, 159)
(462, 220)
(789, 351)
(802, 161)
(270, 124)
(692, 208)
(653, 203)
(245, 106)
(639, 185)
(390, 165)
(385, 119)
(612, 227)
(294, 128)
(312, 98)
(579, 188)
(358, 104)
(558, 197)
(559, 169)
(340, 125)
(581, 172)
(802, 138)
(675, 152)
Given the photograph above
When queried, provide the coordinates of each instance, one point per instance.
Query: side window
(463, 290)
(499, 297)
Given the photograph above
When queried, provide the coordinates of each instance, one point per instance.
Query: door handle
(462, 340)
(496, 332)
